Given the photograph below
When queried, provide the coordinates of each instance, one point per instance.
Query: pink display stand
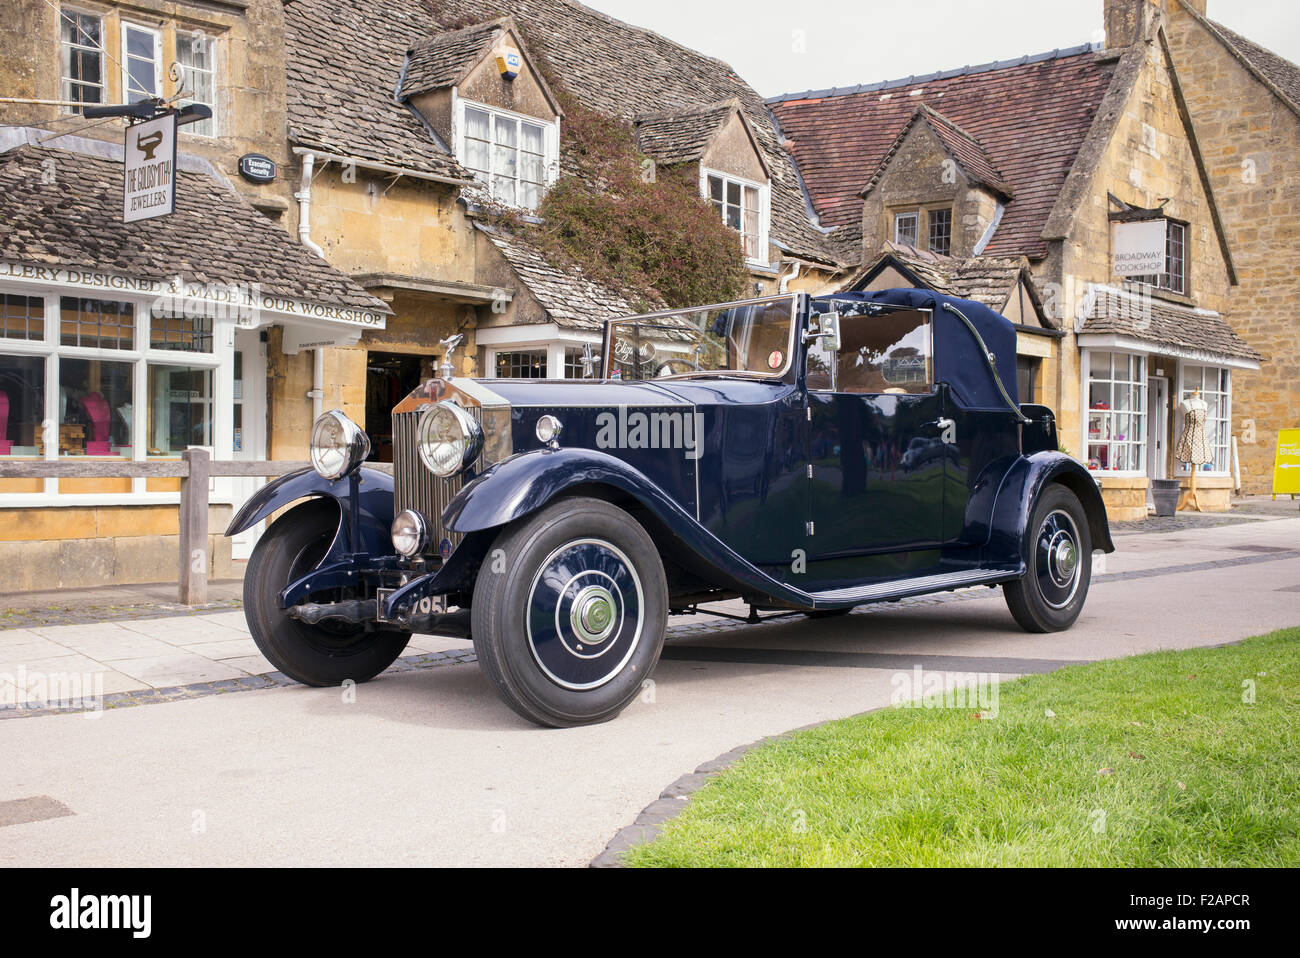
(5, 444)
(97, 409)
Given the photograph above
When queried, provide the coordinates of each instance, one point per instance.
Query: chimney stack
(1132, 21)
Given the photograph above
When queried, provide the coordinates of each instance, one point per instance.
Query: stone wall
(1251, 142)
(78, 547)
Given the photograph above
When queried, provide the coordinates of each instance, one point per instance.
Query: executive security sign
(150, 167)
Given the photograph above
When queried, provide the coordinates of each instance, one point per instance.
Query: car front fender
(522, 484)
(1018, 495)
(373, 491)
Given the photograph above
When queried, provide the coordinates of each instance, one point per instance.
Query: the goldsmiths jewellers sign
(245, 303)
(150, 169)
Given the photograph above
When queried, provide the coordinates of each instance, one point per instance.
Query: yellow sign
(1286, 466)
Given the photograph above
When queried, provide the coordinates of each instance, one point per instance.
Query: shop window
(740, 204)
(524, 364)
(941, 232)
(101, 324)
(1215, 385)
(1116, 412)
(1027, 378)
(22, 317)
(905, 228)
(197, 53)
(22, 405)
(879, 354)
(187, 334)
(82, 57)
(180, 409)
(141, 63)
(507, 154)
(95, 412)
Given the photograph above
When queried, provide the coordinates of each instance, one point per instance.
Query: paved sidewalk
(135, 651)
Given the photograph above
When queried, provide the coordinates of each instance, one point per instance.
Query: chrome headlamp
(410, 534)
(338, 445)
(448, 438)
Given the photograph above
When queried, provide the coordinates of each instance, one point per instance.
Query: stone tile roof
(572, 300)
(1030, 116)
(1277, 70)
(214, 236)
(964, 148)
(682, 137)
(631, 72)
(990, 280)
(343, 62)
(1158, 321)
(443, 59)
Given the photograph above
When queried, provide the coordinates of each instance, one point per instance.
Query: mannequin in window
(1193, 445)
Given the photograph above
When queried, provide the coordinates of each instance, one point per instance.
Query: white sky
(862, 41)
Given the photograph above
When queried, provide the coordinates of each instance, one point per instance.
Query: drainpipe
(317, 383)
(303, 196)
(793, 275)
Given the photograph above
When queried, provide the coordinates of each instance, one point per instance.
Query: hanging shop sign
(257, 168)
(149, 188)
(1140, 248)
(1286, 464)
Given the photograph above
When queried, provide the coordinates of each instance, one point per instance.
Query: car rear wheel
(1050, 596)
(320, 654)
(568, 619)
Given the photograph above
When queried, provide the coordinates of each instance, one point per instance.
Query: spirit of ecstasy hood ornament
(445, 368)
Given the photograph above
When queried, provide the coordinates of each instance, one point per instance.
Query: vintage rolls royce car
(804, 454)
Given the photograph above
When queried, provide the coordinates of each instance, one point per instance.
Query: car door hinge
(810, 470)
(810, 528)
(808, 409)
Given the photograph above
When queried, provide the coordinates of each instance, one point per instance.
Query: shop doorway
(389, 377)
(1157, 431)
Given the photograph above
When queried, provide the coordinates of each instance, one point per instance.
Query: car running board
(900, 588)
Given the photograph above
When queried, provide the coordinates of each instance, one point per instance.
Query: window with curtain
(508, 154)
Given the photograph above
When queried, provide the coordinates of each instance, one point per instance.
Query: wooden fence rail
(194, 469)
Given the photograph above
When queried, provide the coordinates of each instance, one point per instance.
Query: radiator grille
(415, 487)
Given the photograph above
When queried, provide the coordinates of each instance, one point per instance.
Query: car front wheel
(1050, 596)
(322, 654)
(569, 613)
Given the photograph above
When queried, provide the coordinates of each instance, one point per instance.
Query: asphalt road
(428, 767)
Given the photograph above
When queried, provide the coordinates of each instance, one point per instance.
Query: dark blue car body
(792, 497)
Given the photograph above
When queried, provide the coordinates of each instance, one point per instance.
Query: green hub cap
(592, 614)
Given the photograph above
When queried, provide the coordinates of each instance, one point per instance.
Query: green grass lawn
(1154, 760)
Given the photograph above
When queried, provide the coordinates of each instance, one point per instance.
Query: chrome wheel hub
(585, 613)
(1059, 560)
(592, 614)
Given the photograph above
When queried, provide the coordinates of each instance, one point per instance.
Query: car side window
(886, 353)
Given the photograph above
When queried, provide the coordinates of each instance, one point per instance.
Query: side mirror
(828, 331)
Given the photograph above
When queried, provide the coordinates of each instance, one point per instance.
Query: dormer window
(513, 156)
(905, 228)
(743, 206)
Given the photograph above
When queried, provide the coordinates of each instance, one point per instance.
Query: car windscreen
(750, 338)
